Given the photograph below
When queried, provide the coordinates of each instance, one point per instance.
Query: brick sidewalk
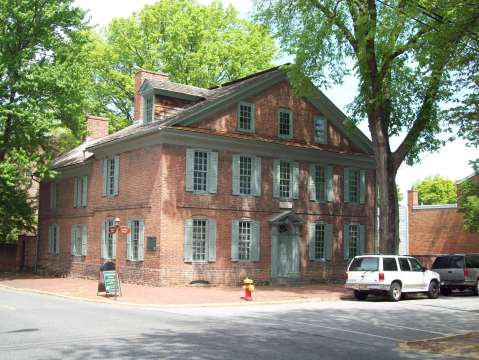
(188, 295)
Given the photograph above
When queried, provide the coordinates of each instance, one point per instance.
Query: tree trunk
(386, 185)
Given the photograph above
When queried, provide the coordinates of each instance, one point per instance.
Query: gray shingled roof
(178, 88)
(75, 156)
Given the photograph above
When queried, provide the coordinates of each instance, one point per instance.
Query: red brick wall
(97, 127)
(266, 107)
(438, 231)
(18, 256)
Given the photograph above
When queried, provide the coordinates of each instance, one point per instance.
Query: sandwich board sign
(110, 280)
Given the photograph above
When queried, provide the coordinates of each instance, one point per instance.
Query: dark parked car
(458, 272)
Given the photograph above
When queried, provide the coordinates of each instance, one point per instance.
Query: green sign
(111, 286)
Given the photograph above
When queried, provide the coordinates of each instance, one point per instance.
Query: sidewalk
(173, 296)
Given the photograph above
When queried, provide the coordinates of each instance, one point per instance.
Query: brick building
(438, 229)
(215, 184)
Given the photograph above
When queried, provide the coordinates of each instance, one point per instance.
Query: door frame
(295, 231)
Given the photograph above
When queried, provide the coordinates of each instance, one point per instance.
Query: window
(285, 124)
(148, 111)
(245, 240)
(365, 264)
(53, 195)
(415, 265)
(404, 264)
(354, 240)
(389, 264)
(320, 130)
(320, 183)
(200, 240)
(246, 117)
(80, 191)
(285, 179)
(108, 248)
(53, 239)
(111, 171)
(135, 240)
(201, 171)
(354, 185)
(79, 240)
(320, 241)
(246, 175)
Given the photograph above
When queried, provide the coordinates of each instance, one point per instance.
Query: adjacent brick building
(438, 229)
(246, 179)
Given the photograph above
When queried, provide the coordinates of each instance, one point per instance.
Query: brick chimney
(141, 76)
(412, 197)
(96, 127)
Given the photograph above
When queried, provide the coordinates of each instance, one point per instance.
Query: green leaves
(436, 190)
(469, 203)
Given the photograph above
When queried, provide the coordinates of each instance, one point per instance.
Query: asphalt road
(34, 326)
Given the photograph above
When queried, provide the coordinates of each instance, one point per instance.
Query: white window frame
(148, 108)
(290, 114)
(80, 191)
(210, 240)
(140, 242)
(251, 107)
(211, 171)
(106, 240)
(111, 176)
(323, 139)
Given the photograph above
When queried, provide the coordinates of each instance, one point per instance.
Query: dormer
(157, 98)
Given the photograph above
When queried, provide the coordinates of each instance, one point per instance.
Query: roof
(206, 101)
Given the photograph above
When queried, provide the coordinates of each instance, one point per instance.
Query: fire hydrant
(248, 287)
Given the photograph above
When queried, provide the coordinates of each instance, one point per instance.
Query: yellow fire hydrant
(248, 286)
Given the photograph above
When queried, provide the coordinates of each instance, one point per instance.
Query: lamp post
(118, 250)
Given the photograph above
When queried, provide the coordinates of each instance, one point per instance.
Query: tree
(403, 53)
(43, 93)
(436, 190)
(469, 204)
(195, 44)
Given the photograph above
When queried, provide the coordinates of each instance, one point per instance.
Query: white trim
(431, 207)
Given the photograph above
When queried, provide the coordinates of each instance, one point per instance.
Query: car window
(365, 264)
(472, 261)
(404, 264)
(441, 262)
(456, 262)
(390, 264)
(415, 265)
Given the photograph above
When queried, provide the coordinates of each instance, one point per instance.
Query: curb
(169, 306)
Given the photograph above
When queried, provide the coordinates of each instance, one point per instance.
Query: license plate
(361, 287)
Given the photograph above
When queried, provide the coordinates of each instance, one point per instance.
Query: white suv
(392, 275)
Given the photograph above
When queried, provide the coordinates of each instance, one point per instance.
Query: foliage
(469, 204)
(436, 190)
(405, 55)
(43, 91)
(195, 44)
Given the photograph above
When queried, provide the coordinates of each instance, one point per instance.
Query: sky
(451, 161)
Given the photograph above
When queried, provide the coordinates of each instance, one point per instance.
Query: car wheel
(360, 295)
(433, 291)
(475, 290)
(445, 291)
(395, 292)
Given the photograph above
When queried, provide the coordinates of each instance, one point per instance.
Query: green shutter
(346, 185)
(57, 243)
(117, 174)
(84, 240)
(312, 240)
(276, 178)
(50, 239)
(235, 169)
(141, 241)
(329, 183)
(84, 190)
(312, 183)
(346, 236)
(328, 241)
(362, 186)
(295, 180)
(234, 240)
(190, 156)
(211, 240)
(187, 247)
(105, 176)
(256, 243)
(212, 172)
(256, 176)
(75, 192)
(74, 230)
(103, 240)
(362, 240)
(129, 251)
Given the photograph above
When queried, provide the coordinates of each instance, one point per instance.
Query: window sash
(354, 240)
(199, 240)
(354, 183)
(319, 241)
(149, 109)
(200, 171)
(135, 239)
(320, 130)
(245, 175)
(285, 179)
(284, 124)
(320, 182)
(109, 238)
(245, 117)
(244, 240)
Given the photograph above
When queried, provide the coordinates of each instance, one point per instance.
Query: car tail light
(466, 272)
(381, 276)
